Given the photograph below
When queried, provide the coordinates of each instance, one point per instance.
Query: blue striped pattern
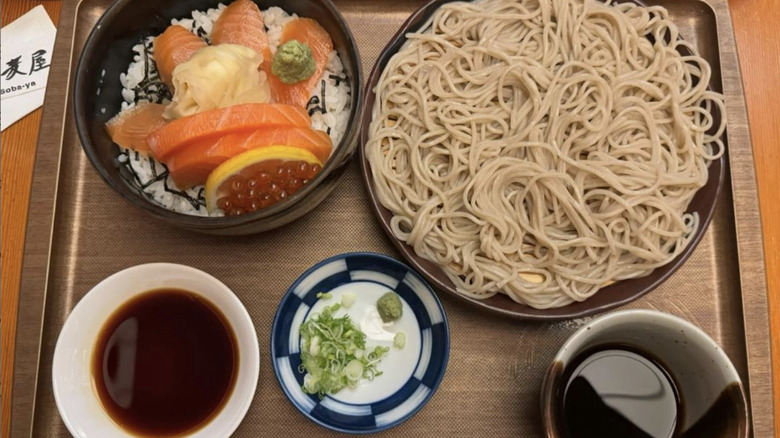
(414, 394)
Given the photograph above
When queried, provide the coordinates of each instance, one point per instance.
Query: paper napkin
(25, 55)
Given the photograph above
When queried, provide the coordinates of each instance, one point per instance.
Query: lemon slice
(259, 178)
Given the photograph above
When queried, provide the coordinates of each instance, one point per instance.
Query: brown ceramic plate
(607, 298)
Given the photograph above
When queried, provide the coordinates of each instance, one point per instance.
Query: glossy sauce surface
(619, 393)
(165, 363)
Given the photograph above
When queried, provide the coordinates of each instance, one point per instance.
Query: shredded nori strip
(151, 87)
(319, 103)
(202, 33)
(129, 165)
(155, 176)
(324, 106)
(315, 101)
(196, 202)
(339, 79)
(159, 177)
(154, 168)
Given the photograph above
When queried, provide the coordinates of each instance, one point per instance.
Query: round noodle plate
(614, 295)
(397, 399)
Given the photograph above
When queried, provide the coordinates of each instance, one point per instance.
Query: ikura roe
(263, 185)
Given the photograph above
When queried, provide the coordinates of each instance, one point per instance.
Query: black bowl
(108, 52)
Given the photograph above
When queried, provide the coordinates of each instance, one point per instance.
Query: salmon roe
(264, 185)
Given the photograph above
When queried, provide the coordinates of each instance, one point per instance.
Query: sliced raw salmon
(242, 23)
(192, 164)
(216, 123)
(308, 31)
(172, 47)
(130, 127)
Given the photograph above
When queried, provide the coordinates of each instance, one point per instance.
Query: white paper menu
(25, 56)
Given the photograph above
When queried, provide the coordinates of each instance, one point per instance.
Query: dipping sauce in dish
(165, 363)
(616, 391)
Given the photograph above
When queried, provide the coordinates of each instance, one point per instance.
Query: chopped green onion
(399, 340)
(324, 295)
(333, 353)
(354, 370)
(314, 346)
(347, 300)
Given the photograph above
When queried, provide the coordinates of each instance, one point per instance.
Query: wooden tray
(79, 232)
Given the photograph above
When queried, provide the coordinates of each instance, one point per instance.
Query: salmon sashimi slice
(218, 122)
(173, 47)
(130, 127)
(308, 31)
(191, 165)
(242, 23)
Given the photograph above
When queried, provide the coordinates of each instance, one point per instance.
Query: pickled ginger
(218, 77)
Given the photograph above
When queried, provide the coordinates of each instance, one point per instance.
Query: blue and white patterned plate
(410, 375)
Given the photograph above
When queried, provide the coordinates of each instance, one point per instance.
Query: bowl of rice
(117, 71)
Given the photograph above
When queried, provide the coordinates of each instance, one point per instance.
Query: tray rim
(46, 173)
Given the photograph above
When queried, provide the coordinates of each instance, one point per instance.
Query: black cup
(708, 396)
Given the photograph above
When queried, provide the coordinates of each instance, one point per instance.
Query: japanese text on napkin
(25, 58)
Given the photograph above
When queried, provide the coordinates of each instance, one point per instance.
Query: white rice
(151, 177)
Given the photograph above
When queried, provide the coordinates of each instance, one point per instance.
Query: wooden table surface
(758, 41)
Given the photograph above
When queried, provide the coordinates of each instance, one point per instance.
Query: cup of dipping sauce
(642, 374)
(157, 350)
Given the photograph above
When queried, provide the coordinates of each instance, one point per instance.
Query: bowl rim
(385, 259)
(333, 168)
(253, 355)
(598, 303)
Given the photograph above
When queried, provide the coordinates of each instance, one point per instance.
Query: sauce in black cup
(642, 374)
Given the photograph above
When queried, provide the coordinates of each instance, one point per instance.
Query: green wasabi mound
(293, 62)
(389, 307)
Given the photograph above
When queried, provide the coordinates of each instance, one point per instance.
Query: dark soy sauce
(165, 363)
(615, 392)
(623, 392)
(725, 418)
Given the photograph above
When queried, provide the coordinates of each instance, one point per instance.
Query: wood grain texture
(17, 157)
(758, 43)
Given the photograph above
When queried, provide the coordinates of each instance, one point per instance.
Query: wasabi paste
(389, 307)
(293, 62)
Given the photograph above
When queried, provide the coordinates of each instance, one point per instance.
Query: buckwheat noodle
(544, 149)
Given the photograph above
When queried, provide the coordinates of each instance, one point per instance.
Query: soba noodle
(544, 149)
